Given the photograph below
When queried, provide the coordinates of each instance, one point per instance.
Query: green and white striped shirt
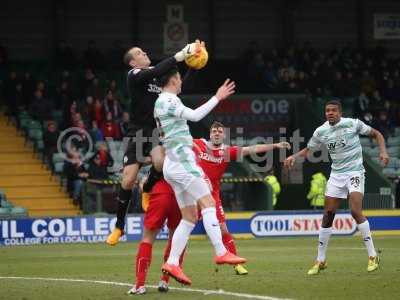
(343, 144)
(173, 129)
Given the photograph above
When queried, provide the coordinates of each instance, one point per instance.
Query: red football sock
(229, 243)
(167, 249)
(143, 260)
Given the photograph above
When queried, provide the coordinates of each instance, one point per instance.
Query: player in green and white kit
(184, 175)
(341, 137)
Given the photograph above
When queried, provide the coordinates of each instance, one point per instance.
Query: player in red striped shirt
(213, 157)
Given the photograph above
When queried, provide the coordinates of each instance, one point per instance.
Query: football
(198, 60)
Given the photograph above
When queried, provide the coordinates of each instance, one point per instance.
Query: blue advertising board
(91, 229)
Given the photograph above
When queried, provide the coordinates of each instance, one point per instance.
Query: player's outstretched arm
(261, 148)
(195, 115)
(289, 162)
(163, 66)
(383, 155)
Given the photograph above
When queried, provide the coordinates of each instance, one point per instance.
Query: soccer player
(162, 207)
(184, 175)
(143, 91)
(341, 137)
(213, 157)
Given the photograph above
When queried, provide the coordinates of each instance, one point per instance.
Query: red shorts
(219, 209)
(162, 207)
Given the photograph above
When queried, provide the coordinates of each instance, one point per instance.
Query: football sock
(211, 226)
(229, 242)
(123, 201)
(143, 260)
(179, 241)
(323, 240)
(366, 235)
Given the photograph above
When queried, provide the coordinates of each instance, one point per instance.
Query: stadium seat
(376, 160)
(394, 162)
(374, 152)
(389, 172)
(18, 212)
(35, 134)
(4, 212)
(397, 131)
(393, 141)
(6, 204)
(393, 151)
(365, 142)
(58, 157)
(367, 149)
(58, 167)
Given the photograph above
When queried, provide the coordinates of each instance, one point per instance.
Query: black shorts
(141, 142)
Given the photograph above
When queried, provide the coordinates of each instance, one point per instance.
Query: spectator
(41, 86)
(50, 138)
(15, 101)
(98, 111)
(270, 76)
(63, 95)
(87, 81)
(10, 85)
(339, 86)
(88, 110)
(382, 124)
(367, 84)
(64, 56)
(115, 91)
(94, 89)
(95, 132)
(75, 172)
(361, 105)
(124, 124)
(41, 107)
(110, 128)
(70, 110)
(106, 159)
(390, 92)
(111, 105)
(28, 87)
(96, 169)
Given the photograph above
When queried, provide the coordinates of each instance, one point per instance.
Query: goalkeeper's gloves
(187, 51)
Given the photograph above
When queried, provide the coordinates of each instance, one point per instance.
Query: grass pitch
(277, 268)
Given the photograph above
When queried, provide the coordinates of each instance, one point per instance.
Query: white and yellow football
(199, 59)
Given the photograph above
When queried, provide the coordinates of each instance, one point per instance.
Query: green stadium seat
(393, 141)
(59, 167)
(18, 212)
(389, 172)
(365, 142)
(35, 134)
(393, 151)
(374, 152)
(6, 204)
(4, 212)
(394, 162)
(58, 157)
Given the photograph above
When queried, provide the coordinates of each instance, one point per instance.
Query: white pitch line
(204, 292)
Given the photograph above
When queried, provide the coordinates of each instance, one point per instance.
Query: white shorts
(187, 180)
(341, 185)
